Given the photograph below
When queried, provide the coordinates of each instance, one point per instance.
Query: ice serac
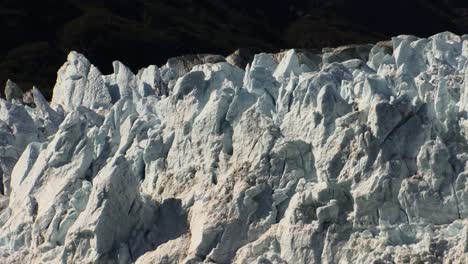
(150, 82)
(46, 118)
(354, 155)
(288, 65)
(79, 83)
(122, 83)
(17, 130)
(13, 92)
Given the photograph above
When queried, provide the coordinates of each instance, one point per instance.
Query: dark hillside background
(37, 35)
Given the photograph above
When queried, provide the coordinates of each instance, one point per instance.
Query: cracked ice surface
(358, 158)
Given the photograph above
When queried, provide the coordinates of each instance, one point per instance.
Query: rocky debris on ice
(354, 155)
(241, 57)
(179, 66)
(345, 53)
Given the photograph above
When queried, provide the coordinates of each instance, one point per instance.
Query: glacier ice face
(355, 155)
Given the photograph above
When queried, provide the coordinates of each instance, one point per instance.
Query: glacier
(357, 154)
